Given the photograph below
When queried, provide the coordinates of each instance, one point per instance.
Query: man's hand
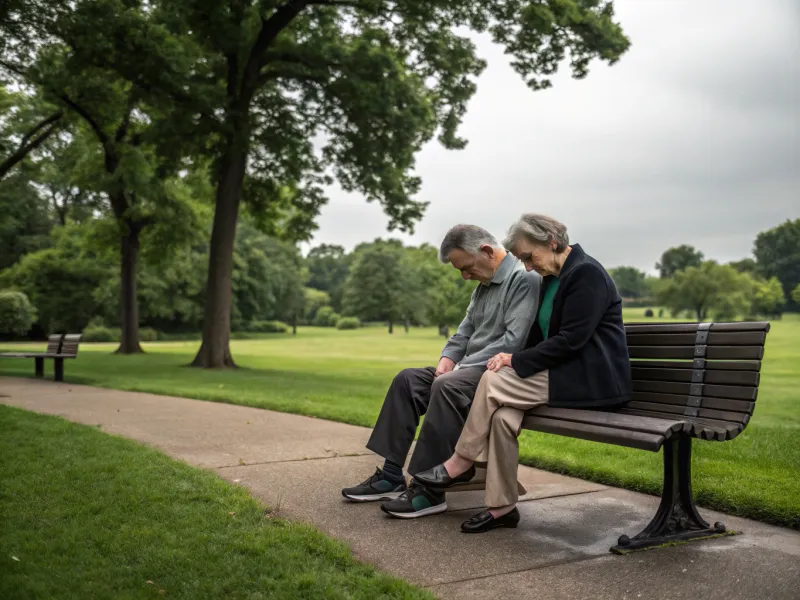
(445, 366)
(498, 361)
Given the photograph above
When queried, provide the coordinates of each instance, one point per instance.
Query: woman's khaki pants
(493, 425)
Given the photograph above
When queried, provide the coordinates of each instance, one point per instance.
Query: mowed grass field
(343, 376)
(86, 515)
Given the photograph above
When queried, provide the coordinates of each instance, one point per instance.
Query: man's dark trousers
(445, 402)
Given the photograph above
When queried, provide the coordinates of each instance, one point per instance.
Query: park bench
(690, 381)
(59, 347)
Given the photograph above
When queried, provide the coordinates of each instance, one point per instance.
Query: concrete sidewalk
(298, 464)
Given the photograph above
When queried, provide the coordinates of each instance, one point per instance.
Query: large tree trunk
(129, 299)
(215, 350)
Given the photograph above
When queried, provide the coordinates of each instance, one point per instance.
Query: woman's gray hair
(468, 238)
(539, 229)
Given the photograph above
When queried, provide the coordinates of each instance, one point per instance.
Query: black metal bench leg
(39, 366)
(59, 369)
(677, 518)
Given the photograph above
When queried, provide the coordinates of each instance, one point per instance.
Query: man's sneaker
(416, 501)
(375, 488)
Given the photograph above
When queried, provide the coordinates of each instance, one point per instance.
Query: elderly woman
(575, 357)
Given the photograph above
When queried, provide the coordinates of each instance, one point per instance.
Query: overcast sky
(692, 137)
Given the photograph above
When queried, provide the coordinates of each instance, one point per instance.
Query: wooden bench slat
(596, 433)
(748, 378)
(718, 430)
(692, 327)
(734, 392)
(610, 419)
(742, 406)
(703, 413)
(712, 352)
(715, 338)
(710, 365)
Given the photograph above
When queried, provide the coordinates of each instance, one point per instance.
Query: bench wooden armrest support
(690, 381)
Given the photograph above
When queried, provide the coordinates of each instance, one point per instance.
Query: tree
(630, 282)
(768, 297)
(378, 286)
(708, 287)
(24, 126)
(60, 281)
(777, 253)
(796, 294)
(677, 259)
(256, 82)
(49, 56)
(25, 220)
(17, 314)
(328, 266)
(314, 300)
(746, 265)
(442, 295)
(267, 278)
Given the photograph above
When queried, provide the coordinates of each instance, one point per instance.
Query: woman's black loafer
(438, 479)
(484, 521)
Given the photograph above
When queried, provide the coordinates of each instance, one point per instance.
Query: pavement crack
(291, 460)
(558, 563)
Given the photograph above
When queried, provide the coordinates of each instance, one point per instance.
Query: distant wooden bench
(59, 347)
(690, 381)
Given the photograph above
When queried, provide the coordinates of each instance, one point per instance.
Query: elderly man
(499, 316)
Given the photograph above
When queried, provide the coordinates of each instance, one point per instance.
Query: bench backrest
(54, 343)
(70, 345)
(707, 373)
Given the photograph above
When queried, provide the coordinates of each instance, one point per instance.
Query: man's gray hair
(539, 229)
(468, 238)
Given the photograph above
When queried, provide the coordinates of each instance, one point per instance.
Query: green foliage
(746, 265)
(706, 288)
(17, 314)
(380, 286)
(442, 295)
(768, 297)
(777, 252)
(326, 317)
(796, 294)
(677, 259)
(25, 222)
(266, 327)
(148, 334)
(60, 281)
(268, 279)
(348, 323)
(314, 300)
(630, 282)
(328, 266)
(102, 334)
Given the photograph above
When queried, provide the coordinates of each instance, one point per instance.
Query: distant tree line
(764, 286)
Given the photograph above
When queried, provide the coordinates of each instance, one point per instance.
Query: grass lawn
(87, 515)
(343, 376)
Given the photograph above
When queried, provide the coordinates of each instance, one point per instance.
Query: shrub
(325, 317)
(266, 327)
(148, 334)
(649, 313)
(660, 312)
(102, 334)
(185, 336)
(348, 323)
(17, 314)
